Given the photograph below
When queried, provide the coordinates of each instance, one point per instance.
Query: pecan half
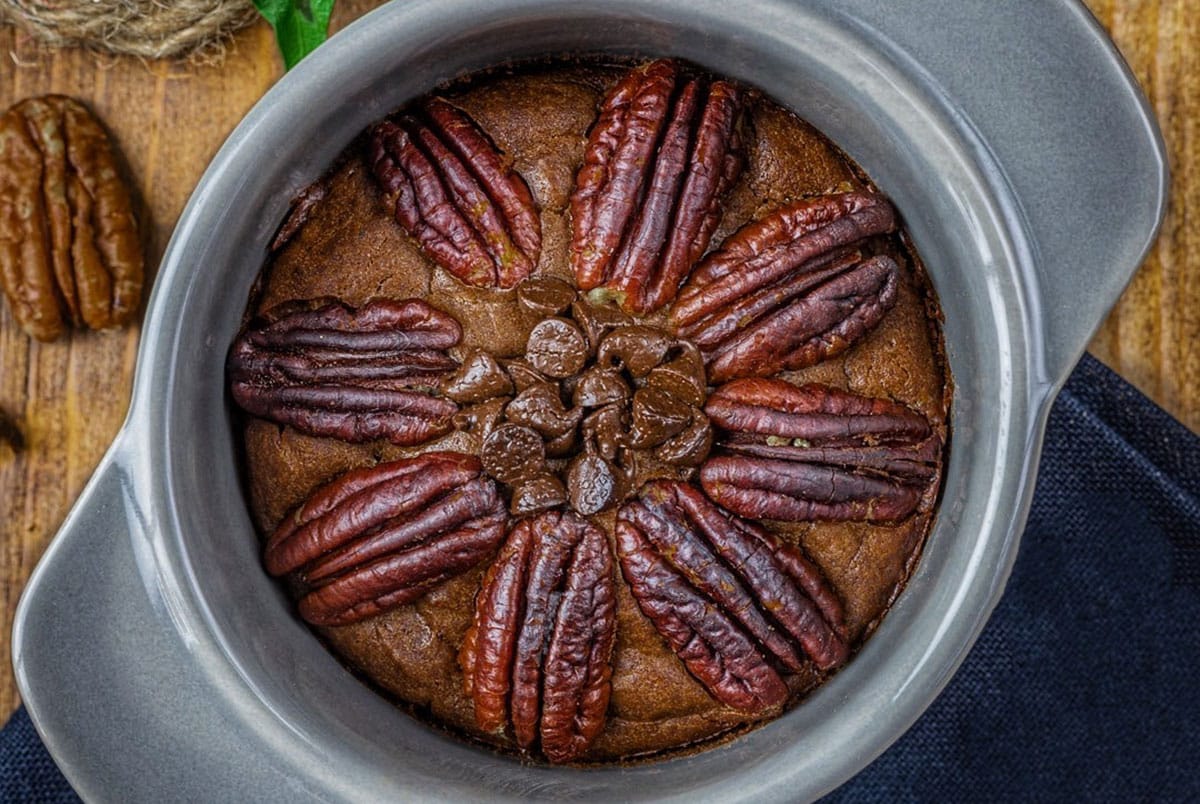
(811, 452)
(454, 192)
(791, 289)
(69, 248)
(357, 375)
(298, 213)
(722, 592)
(648, 197)
(377, 538)
(538, 653)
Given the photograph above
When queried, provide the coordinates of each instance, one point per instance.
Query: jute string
(151, 29)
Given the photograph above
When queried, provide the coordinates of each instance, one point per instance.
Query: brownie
(346, 244)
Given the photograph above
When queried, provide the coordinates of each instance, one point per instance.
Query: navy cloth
(1085, 684)
(27, 773)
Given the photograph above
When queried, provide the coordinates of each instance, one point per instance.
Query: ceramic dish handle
(1092, 184)
(1094, 211)
(102, 570)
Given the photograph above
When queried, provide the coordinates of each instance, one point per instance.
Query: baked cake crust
(348, 246)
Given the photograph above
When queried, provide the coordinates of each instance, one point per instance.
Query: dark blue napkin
(1085, 684)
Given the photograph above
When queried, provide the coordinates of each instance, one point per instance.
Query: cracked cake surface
(593, 411)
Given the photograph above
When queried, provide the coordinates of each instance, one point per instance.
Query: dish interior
(846, 84)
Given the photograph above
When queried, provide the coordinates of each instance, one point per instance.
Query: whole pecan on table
(377, 538)
(537, 654)
(723, 592)
(327, 369)
(457, 195)
(660, 158)
(791, 289)
(811, 452)
(69, 248)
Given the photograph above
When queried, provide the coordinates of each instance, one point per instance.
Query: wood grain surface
(168, 118)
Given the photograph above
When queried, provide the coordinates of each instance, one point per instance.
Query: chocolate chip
(479, 420)
(556, 348)
(479, 377)
(596, 321)
(538, 493)
(682, 376)
(540, 408)
(691, 446)
(636, 349)
(591, 484)
(523, 375)
(512, 453)
(605, 431)
(598, 387)
(545, 296)
(657, 416)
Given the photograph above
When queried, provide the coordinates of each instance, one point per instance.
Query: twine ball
(150, 29)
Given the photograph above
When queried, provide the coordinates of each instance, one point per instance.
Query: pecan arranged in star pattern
(791, 289)
(377, 538)
(457, 194)
(602, 431)
(69, 248)
(811, 452)
(537, 655)
(357, 375)
(660, 158)
(731, 599)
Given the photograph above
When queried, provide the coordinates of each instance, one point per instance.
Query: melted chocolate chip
(596, 321)
(539, 407)
(479, 420)
(635, 349)
(591, 484)
(523, 375)
(657, 416)
(691, 446)
(605, 431)
(682, 376)
(538, 493)
(557, 348)
(563, 445)
(545, 296)
(512, 453)
(600, 386)
(642, 391)
(479, 377)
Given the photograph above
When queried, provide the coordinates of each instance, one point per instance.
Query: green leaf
(300, 25)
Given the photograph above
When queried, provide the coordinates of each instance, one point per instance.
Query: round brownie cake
(592, 411)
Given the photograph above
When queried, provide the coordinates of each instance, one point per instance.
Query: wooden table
(169, 118)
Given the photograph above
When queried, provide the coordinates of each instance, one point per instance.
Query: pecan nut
(538, 652)
(377, 538)
(810, 452)
(69, 248)
(648, 197)
(357, 375)
(298, 213)
(791, 289)
(723, 592)
(457, 195)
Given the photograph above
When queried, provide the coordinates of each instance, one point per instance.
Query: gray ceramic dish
(158, 661)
